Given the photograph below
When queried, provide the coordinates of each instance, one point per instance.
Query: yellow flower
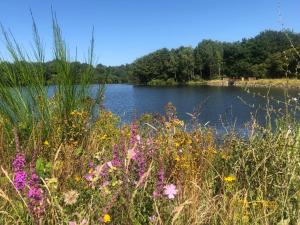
(46, 142)
(189, 142)
(77, 178)
(177, 158)
(103, 137)
(229, 179)
(106, 218)
(177, 144)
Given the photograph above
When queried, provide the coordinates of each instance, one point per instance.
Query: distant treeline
(99, 74)
(271, 54)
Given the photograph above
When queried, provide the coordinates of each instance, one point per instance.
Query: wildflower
(103, 137)
(106, 218)
(140, 160)
(229, 179)
(131, 153)
(46, 142)
(20, 180)
(89, 177)
(84, 222)
(36, 200)
(111, 167)
(152, 219)
(91, 164)
(71, 197)
(116, 157)
(35, 193)
(160, 182)
(133, 134)
(19, 162)
(138, 138)
(72, 223)
(34, 180)
(170, 191)
(77, 178)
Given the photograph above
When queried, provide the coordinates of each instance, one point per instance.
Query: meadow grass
(60, 164)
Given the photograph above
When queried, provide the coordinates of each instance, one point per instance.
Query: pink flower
(84, 222)
(72, 223)
(170, 191)
(131, 153)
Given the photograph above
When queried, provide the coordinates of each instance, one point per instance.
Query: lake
(233, 105)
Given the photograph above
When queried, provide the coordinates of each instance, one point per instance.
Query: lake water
(228, 103)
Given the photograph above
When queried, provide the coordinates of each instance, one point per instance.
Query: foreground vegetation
(152, 171)
(66, 160)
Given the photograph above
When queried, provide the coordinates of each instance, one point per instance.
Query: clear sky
(128, 29)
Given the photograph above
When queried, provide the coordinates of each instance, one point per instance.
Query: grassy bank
(280, 83)
(152, 171)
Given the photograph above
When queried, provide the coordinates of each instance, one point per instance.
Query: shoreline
(266, 83)
(277, 83)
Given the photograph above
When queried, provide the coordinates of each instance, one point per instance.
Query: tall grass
(24, 103)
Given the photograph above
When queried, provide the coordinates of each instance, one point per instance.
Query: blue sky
(128, 29)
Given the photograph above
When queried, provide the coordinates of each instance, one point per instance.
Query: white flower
(71, 197)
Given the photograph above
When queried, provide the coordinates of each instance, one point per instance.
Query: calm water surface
(217, 103)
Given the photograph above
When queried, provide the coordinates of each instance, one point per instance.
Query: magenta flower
(35, 197)
(35, 193)
(170, 191)
(20, 180)
(19, 162)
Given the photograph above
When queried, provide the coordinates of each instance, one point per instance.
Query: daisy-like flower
(71, 197)
(170, 191)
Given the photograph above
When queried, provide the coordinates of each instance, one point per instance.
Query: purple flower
(170, 191)
(91, 164)
(116, 162)
(36, 201)
(20, 180)
(140, 159)
(133, 136)
(160, 182)
(89, 177)
(19, 162)
(34, 180)
(35, 193)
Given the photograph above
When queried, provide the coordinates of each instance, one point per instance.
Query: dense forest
(271, 54)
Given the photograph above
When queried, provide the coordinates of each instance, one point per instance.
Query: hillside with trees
(271, 54)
